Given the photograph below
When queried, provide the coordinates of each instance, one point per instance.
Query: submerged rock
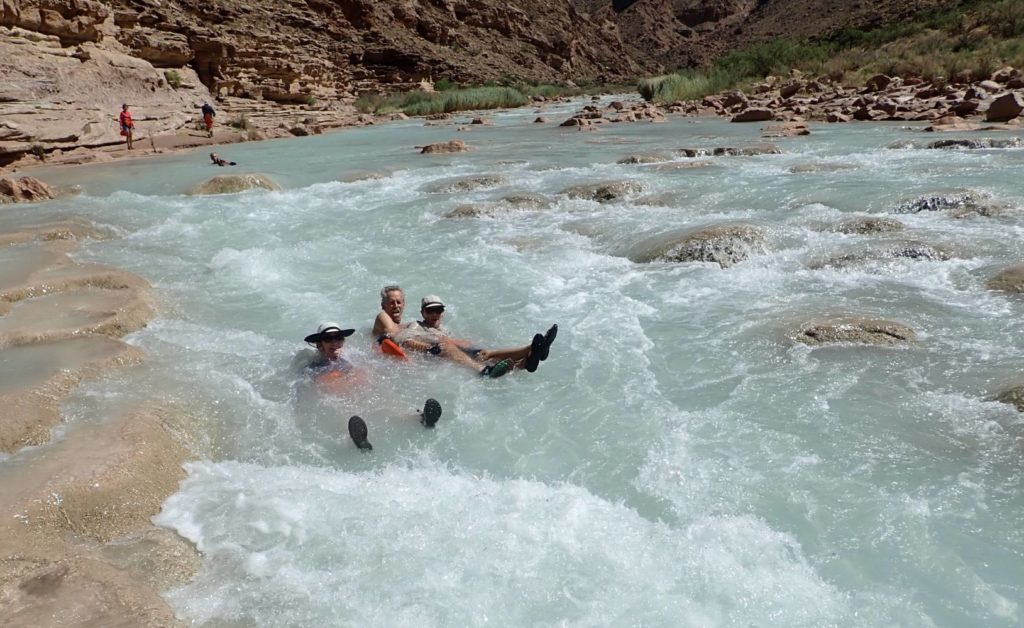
(521, 202)
(725, 245)
(958, 205)
(1008, 280)
(1013, 396)
(642, 159)
(916, 251)
(974, 144)
(938, 203)
(234, 183)
(469, 183)
(453, 146)
(740, 151)
(854, 330)
(603, 192)
(869, 224)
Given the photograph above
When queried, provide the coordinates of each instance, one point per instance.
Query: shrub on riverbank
(967, 44)
(421, 103)
(450, 97)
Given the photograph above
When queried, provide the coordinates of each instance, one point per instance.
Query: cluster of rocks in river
(797, 99)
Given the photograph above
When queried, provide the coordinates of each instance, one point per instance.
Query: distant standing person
(127, 126)
(208, 114)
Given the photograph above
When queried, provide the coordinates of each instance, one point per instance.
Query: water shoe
(357, 430)
(431, 413)
(538, 348)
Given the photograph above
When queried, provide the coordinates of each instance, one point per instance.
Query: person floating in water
(215, 158)
(127, 126)
(430, 336)
(333, 373)
(389, 319)
(208, 114)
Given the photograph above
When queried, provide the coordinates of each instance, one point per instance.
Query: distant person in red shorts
(127, 126)
(208, 114)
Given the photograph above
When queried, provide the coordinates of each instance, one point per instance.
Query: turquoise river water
(677, 461)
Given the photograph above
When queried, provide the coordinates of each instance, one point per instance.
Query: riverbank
(77, 493)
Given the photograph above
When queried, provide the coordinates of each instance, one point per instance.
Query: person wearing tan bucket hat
(334, 374)
(430, 336)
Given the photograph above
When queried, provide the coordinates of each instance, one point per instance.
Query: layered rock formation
(67, 65)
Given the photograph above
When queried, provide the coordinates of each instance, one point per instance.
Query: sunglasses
(332, 338)
(434, 310)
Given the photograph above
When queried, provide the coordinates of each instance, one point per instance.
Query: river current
(677, 461)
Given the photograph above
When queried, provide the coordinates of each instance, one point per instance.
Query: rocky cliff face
(66, 65)
(675, 33)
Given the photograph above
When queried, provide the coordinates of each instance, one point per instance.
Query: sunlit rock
(604, 192)
(234, 183)
(854, 330)
(452, 146)
(724, 245)
(24, 190)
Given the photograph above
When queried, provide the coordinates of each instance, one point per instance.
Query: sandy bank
(76, 544)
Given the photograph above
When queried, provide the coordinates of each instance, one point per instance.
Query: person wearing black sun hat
(329, 340)
(330, 369)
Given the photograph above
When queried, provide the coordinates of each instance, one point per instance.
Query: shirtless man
(430, 336)
(330, 369)
(389, 320)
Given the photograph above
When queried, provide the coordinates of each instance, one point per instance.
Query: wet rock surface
(469, 184)
(725, 245)
(854, 330)
(604, 192)
(234, 183)
(869, 224)
(1008, 280)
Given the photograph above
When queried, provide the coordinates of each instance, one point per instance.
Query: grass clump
(241, 122)
(420, 103)
(173, 78)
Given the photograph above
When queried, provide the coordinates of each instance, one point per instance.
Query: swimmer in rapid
(430, 336)
(334, 373)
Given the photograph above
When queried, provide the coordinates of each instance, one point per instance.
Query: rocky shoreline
(76, 543)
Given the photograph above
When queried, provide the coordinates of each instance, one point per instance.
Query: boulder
(1005, 74)
(1007, 280)
(453, 146)
(1006, 107)
(24, 190)
(725, 245)
(877, 83)
(603, 192)
(790, 89)
(234, 183)
(854, 330)
(754, 114)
